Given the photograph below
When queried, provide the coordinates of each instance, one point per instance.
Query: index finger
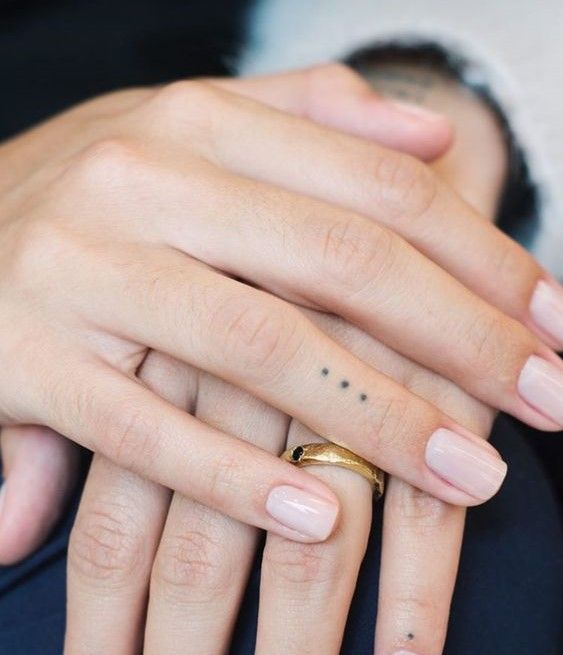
(335, 96)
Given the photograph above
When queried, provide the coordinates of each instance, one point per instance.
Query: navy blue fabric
(509, 598)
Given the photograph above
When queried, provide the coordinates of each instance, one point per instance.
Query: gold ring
(333, 455)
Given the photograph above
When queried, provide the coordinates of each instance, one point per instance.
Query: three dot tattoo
(344, 384)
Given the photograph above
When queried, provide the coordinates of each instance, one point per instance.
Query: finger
(306, 249)
(204, 557)
(40, 469)
(391, 188)
(115, 538)
(420, 555)
(266, 346)
(111, 549)
(422, 536)
(336, 96)
(306, 589)
(331, 94)
(141, 432)
(359, 270)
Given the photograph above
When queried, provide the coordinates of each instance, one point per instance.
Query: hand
(202, 560)
(131, 535)
(328, 95)
(137, 263)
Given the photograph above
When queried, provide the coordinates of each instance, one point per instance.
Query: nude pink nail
(416, 111)
(541, 385)
(546, 309)
(473, 467)
(302, 512)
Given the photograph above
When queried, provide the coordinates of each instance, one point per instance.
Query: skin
(346, 528)
(414, 600)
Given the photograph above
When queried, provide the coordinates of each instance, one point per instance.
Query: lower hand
(202, 560)
(133, 540)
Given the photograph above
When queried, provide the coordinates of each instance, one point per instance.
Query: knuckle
(104, 166)
(192, 103)
(292, 563)
(38, 244)
(420, 605)
(411, 506)
(106, 545)
(394, 422)
(491, 344)
(354, 253)
(224, 476)
(407, 188)
(510, 263)
(260, 335)
(131, 436)
(193, 561)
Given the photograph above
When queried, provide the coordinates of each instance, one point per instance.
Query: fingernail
(473, 467)
(303, 512)
(404, 652)
(416, 111)
(541, 385)
(546, 309)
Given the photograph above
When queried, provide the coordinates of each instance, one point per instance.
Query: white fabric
(516, 44)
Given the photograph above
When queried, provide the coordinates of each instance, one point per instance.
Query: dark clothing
(55, 53)
(509, 598)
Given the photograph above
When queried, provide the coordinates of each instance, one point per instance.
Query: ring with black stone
(334, 455)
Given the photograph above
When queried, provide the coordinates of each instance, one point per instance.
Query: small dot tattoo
(363, 397)
(344, 384)
(324, 372)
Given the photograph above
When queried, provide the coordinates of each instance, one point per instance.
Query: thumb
(335, 96)
(39, 468)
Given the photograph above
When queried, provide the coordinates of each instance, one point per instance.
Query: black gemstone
(344, 384)
(297, 453)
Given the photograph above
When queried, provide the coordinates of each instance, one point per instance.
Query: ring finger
(306, 590)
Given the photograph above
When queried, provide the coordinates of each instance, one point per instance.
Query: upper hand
(106, 240)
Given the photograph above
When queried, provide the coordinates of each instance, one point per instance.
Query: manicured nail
(541, 385)
(302, 512)
(471, 466)
(546, 309)
(416, 111)
(404, 652)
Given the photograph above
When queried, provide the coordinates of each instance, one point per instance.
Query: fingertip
(40, 474)
(308, 516)
(417, 130)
